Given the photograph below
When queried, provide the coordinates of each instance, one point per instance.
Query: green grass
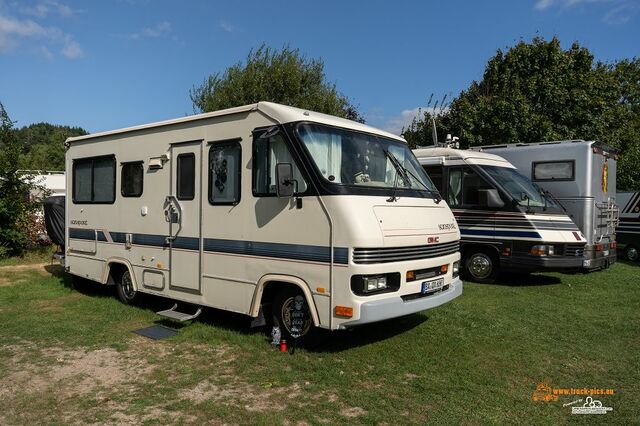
(37, 255)
(476, 360)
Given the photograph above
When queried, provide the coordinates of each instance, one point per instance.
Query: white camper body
(628, 230)
(506, 223)
(193, 209)
(582, 176)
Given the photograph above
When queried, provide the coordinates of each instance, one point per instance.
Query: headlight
(542, 250)
(455, 269)
(368, 284)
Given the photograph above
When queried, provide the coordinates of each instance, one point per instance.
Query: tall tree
(15, 206)
(43, 145)
(539, 91)
(284, 76)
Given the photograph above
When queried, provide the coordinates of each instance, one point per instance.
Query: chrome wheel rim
(480, 266)
(286, 316)
(632, 253)
(127, 286)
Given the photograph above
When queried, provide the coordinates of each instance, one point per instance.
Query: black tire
(631, 253)
(281, 314)
(481, 266)
(126, 292)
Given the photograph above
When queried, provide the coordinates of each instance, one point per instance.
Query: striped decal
(625, 227)
(250, 248)
(633, 205)
(499, 233)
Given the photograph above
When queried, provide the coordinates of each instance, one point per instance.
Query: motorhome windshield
(353, 158)
(519, 187)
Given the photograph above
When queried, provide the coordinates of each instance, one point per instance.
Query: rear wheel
(631, 253)
(481, 266)
(292, 314)
(126, 291)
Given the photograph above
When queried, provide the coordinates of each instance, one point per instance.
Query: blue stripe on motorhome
(251, 248)
(498, 233)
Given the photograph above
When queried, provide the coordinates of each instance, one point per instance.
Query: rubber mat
(156, 332)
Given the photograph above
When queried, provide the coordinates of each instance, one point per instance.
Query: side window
(553, 170)
(435, 174)
(455, 187)
(224, 173)
(131, 179)
(94, 180)
(186, 172)
(267, 153)
(472, 182)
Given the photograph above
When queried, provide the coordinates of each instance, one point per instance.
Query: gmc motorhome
(275, 212)
(506, 222)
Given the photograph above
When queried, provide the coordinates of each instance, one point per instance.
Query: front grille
(574, 249)
(397, 254)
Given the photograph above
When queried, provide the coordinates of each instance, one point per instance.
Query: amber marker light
(320, 290)
(344, 311)
(411, 275)
(444, 268)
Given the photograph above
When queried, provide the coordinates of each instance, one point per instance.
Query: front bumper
(540, 263)
(380, 310)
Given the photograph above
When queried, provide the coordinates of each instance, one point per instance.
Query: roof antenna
(434, 132)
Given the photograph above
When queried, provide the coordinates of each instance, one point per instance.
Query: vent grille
(397, 254)
(574, 250)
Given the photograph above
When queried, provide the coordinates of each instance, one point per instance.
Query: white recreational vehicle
(582, 176)
(506, 222)
(628, 230)
(266, 210)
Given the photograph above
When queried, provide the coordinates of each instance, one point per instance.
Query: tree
(283, 76)
(538, 91)
(43, 145)
(15, 206)
(420, 131)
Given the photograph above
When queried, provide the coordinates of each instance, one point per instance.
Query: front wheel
(481, 266)
(292, 314)
(631, 253)
(126, 292)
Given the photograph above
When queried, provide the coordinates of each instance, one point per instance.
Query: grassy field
(68, 355)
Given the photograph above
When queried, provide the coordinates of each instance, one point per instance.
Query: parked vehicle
(628, 230)
(582, 176)
(266, 210)
(506, 222)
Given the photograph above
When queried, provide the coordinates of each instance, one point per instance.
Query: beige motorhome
(267, 210)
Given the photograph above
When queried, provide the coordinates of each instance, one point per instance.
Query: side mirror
(490, 198)
(284, 180)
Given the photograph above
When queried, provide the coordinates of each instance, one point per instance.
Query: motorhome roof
(279, 113)
(560, 144)
(471, 157)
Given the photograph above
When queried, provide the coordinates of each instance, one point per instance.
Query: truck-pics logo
(447, 226)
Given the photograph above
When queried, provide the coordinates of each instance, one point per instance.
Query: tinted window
(132, 176)
(224, 173)
(94, 180)
(186, 176)
(267, 153)
(435, 174)
(554, 170)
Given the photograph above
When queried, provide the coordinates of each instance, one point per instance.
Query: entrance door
(184, 205)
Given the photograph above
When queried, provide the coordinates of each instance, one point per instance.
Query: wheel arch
(114, 264)
(269, 281)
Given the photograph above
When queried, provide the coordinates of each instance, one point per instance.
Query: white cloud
(14, 32)
(619, 11)
(71, 49)
(160, 30)
(227, 27)
(41, 10)
(45, 52)
(403, 120)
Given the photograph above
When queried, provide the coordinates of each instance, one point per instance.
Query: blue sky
(108, 64)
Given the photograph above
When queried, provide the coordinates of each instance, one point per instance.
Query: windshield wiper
(405, 173)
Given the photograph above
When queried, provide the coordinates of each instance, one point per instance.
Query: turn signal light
(411, 275)
(444, 268)
(344, 311)
(599, 247)
(613, 244)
